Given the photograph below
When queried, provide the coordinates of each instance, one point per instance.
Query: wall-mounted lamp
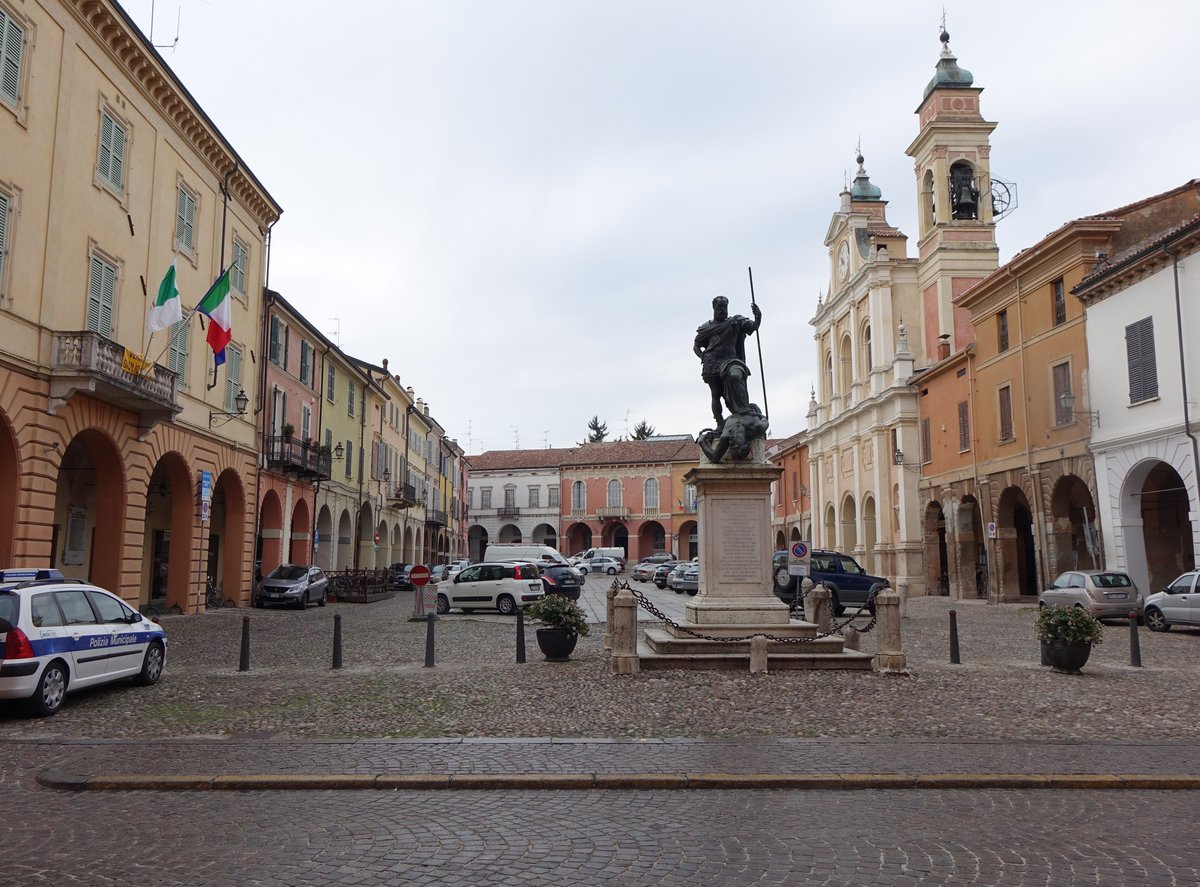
(338, 452)
(898, 459)
(220, 418)
(1067, 399)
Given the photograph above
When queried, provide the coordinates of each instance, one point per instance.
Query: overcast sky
(528, 205)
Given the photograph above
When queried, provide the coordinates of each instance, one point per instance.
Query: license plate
(1115, 595)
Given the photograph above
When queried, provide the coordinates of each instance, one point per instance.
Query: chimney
(385, 363)
(943, 346)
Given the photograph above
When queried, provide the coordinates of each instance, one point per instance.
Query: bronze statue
(721, 346)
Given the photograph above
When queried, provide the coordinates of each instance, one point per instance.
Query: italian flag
(166, 309)
(216, 305)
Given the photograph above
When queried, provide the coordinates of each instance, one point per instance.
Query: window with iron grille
(552, 496)
(1006, 415)
(102, 291)
(185, 221)
(926, 442)
(1143, 365)
(1002, 330)
(964, 427)
(1061, 374)
(485, 497)
(1060, 302)
(510, 497)
(12, 45)
(111, 164)
(535, 497)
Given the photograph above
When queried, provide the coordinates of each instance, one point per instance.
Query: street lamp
(1067, 399)
(220, 417)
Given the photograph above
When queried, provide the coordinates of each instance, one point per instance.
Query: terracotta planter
(1064, 657)
(556, 644)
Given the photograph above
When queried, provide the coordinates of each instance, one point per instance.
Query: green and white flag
(167, 308)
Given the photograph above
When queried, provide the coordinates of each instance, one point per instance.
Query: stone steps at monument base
(660, 640)
(793, 629)
(738, 659)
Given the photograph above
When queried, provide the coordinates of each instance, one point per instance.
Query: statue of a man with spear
(721, 346)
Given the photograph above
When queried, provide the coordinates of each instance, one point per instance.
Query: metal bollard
(520, 634)
(244, 660)
(429, 620)
(337, 640)
(1135, 645)
(954, 660)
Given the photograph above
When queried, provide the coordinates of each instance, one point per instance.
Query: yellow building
(119, 450)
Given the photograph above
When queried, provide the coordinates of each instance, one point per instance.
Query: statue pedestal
(735, 599)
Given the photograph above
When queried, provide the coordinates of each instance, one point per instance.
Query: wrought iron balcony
(301, 457)
(619, 512)
(403, 495)
(88, 363)
(435, 518)
(508, 511)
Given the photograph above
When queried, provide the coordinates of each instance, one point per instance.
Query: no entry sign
(419, 575)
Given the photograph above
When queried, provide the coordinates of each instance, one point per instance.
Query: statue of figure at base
(721, 346)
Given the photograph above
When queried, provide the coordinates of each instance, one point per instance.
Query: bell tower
(957, 235)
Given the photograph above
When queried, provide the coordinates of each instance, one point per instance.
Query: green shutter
(12, 40)
(233, 377)
(102, 284)
(106, 128)
(117, 147)
(177, 354)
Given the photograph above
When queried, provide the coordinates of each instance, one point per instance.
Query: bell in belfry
(964, 196)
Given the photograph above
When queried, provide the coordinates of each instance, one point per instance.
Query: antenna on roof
(546, 434)
(173, 43)
(516, 437)
(337, 333)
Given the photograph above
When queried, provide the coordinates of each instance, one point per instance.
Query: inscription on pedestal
(740, 557)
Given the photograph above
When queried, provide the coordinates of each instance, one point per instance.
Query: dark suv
(561, 579)
(849, 584)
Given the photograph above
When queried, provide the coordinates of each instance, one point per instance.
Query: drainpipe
(262, 397)
(1187, 421)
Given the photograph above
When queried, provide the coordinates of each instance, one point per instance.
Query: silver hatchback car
(1108, 594)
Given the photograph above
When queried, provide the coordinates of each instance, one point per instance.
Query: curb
(68, 781)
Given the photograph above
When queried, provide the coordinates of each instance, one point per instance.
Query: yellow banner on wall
(134, 363)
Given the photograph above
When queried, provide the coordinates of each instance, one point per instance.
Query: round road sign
(419, 575)
(800, 550)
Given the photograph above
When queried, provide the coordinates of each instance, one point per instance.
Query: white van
(508, 551)
(618, 553)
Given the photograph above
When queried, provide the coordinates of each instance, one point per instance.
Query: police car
(59, 635)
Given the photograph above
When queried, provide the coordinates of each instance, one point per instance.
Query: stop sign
(419, 575)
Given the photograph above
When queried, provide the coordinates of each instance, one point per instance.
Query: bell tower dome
(957, 231)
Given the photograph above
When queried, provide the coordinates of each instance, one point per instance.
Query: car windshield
(1112, 580)
(290, 572)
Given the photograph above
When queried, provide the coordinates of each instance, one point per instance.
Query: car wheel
(324, 599)
(51, 690)
(677, 590)
(1155, 620)
(304, 602)
(152, 666)
(612, 571)
(467, 610)
(506, 605)
(443, 605)
(692, 592)
(783, 581)
(836, 605)
(258, 603)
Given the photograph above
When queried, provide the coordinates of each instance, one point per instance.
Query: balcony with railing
(87, 363)
(613, 512)
(508, 511)
(435, 517)
(402, 495)
(299, 457)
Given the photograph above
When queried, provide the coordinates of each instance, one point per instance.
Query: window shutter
(180, 214)
(233, 377)
(3, 232)
(1062, 385)
(93, 303)
(106, 129)
(177, 355)
(964, 427)
(926, 442)
(1143, 363)
(1006, 419)
(12, 39)
(286, 336)
(117, 146)
(274, 340)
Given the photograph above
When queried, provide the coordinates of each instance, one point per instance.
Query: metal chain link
(645, 604)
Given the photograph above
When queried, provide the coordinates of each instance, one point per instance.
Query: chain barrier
(645, 604)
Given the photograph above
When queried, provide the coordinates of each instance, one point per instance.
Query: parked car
(456, 567)
(296, 585)
(438, 572)
(608, 565)
(686, 578)
(1177, 604)
(60, 635)
(1108, 594)
(661, 572)
(499, 586)
(398, 575)
(643, 571)
(561, 579)
(849, 584)
(661, 557)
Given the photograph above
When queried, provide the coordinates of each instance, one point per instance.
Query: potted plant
(288, 430)
(1067, 635)
(563, 622)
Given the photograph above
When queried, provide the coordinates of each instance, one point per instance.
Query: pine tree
(641, 431)
(597, 430)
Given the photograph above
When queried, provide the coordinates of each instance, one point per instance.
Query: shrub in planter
(564, 622)
(1067, 635)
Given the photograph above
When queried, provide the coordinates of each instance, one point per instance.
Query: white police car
(58, 635)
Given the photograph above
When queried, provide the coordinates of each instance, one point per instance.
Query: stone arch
(300, 548)
(270, 532)
(396, 555)
(325, 540)
(689, 540)
(616, 535)
(409, 541)
(90, 509)
(365, 547)
(651, 538)
(380, 544)
(168, 534)
(849, 525)
(827, 376)
(830, 540)
(10, 483)
(927, 202)
(579, 538)
(345, 541)
(845, 369)
(227, 535)
(870, 528)
(1159, 537)
(544, 534)
(864, 351)
(509, 533)
(970, 549)
(780, 540)
(937, 560)
(1074, 534)
(1018, 569)
(477, 541)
